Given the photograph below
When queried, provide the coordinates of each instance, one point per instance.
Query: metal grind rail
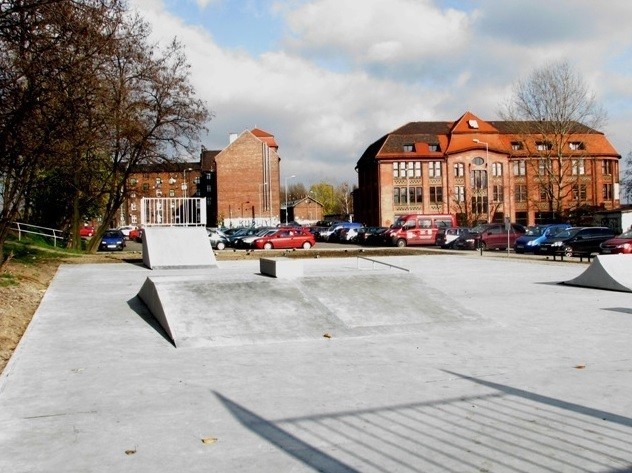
(374, 261)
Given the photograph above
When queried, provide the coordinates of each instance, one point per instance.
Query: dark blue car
(535, 235)
(113, 240)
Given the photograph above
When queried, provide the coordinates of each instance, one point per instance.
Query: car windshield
(627, 234)
(111, 235)
(479, 228)
(399, 223)
(568, 233)
(535, 231)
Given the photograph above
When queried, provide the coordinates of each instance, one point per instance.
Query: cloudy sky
(329, 77)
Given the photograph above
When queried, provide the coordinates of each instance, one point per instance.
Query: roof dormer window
(434, 147)
(408, 148)
(543, 145)
(516, 145)
(576, 145)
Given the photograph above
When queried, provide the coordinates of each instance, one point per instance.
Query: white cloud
(403, 60)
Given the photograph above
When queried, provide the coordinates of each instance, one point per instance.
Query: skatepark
(418, 363)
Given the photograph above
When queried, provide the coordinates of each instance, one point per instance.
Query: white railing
(37, 230)
(173, 211)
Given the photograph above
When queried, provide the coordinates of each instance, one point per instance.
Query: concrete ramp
(208, 311)
(612, 272)
(177, 248)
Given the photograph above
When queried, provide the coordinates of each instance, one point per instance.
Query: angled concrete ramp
(611, 272)
(213, 311)
(177, 248)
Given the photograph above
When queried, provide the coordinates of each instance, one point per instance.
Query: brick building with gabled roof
(486, 171)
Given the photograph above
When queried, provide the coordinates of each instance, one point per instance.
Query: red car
(286, 238)
(86, 231)
(619, 244)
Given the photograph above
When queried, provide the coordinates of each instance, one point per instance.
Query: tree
(323, 192)
(84, 98)
(626, 180)
(554, 104)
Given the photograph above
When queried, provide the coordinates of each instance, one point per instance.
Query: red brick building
(244, 180)
(240, 184)
(485, 171)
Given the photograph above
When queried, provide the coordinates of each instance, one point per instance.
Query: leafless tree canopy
(84, 97)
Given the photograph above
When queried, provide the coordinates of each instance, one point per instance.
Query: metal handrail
(379, 262)
(53, 233)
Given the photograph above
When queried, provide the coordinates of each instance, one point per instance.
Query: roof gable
(470, 123)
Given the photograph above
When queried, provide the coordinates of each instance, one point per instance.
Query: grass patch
(7, 280)
(35, 250)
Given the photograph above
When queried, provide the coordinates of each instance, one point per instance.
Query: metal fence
(52, 233)
(173, 211)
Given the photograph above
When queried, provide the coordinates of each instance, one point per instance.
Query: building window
(132, 206)
(407, 169)
(409, 148)
(545, 193)
(576, 145)
(579, 192)
(607, 191)
(578, 167)
(196, 180)
(172, 193)
(516, 145)
(479, 204)
(133, 181)
(521, 193)
(544, 167)
(543, 145)
(606, 168)
(436, 194)
(396, 196)
(145, 187)
(478, 179)
(158, 193)
(459, 193)
(208, 176)
(497, 169)
(459, 170)
(434, 147)
(497, 193)
(209, 189)
(434, 168)
(134, 219)
(519, 168)
(132, 195)
(406, 195)
(172, 180)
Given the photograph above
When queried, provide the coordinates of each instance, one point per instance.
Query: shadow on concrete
(624, 310)
(138, 306)
(504, 429)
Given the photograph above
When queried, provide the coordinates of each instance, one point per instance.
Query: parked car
(240, 233)
(126, 229)
(446, 236)
(247, 240)
(286, 238)
(489, 236)
(370, 235)
(325, 234)
(619, 244)
(216, 237)
(349, 235)
(134, 234)
(417, 229)
(112, 240)
(576, 241)
(86, 231)
(535, 235)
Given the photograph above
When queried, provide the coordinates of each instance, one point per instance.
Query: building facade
(240, 184)
(305, 211)
(486, 172)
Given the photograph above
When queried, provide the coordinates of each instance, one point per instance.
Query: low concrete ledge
(285, 268)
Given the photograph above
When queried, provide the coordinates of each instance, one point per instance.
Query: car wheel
(401, 243)
(267, 246)
(568, 251)
(307, 245)
(221, 245)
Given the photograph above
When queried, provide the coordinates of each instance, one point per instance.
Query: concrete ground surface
(465, 364)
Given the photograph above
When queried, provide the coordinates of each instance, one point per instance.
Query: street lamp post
(184, 183)
(286, 209)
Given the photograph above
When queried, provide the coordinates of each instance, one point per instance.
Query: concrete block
(285, 268)
(177, 248)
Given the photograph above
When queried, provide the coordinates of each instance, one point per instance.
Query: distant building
(484, 171)
(305, 211)
(240, 184)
